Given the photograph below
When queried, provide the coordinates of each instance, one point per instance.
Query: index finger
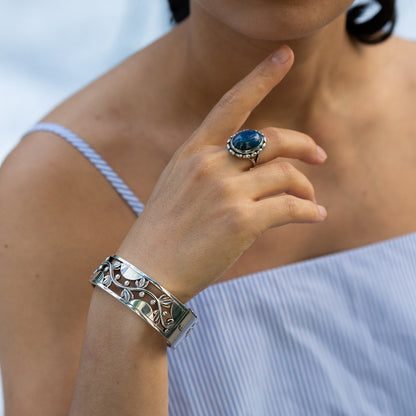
(230, 113)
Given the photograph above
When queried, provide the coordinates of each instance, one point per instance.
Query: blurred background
(48, 50)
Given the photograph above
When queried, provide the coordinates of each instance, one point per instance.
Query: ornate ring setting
(247, 144)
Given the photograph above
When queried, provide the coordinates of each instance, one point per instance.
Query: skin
(63, 218)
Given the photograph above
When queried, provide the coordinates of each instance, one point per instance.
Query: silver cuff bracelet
(170, 317)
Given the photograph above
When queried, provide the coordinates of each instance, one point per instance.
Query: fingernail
(321, 153)
(282, 55)
(322, 211)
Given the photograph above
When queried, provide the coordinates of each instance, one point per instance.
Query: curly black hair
(377, 29)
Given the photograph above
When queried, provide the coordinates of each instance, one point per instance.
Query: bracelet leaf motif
(156, 306)
(145, 297)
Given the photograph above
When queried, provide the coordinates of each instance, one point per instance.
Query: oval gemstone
(247, 140)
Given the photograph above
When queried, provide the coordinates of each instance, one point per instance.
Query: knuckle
(264, 74)
(241, 224)
(307, 139)
(291, 206)
(275, 134)
(264, 79)
(239, 217)
(262, 84)
(287, 169)
(202, 165)
(307, 187)
(300, 210)
(225, 189)
(231, 97)
(187, 151)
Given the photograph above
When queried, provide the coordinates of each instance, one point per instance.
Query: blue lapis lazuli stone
(247, 140)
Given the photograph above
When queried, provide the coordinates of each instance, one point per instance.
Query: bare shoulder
(404, 100)
(406, 50)
(58, 221)
(396, 62)
(402, 53)
(126, 115)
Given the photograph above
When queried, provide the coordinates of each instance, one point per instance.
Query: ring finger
(288, 144)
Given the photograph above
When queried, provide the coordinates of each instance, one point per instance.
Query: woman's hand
(208, 206)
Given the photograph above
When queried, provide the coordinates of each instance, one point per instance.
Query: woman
(332, 332)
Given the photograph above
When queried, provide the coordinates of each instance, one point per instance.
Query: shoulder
(119, 116)
(404, 49)
(53, 176)
(57, 224)
(59, 217)
(55, 203)
(400, 58)
(394, 83)
(53, 179)
(403, 81)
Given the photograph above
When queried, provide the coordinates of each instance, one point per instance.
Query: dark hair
(374, 30)
(180, 9)
(377, 28)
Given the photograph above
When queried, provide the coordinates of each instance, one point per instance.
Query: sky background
(50, 49)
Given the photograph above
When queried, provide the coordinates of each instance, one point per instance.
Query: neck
(218, 57)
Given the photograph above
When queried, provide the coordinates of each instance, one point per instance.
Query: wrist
(158, 270)
(145, 297)
(109, 320)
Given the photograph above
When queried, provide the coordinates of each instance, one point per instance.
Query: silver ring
(247, 144)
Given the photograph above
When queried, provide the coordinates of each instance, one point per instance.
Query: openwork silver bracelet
(146, 298)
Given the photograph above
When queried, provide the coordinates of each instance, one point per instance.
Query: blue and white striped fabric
(335, 335)
(95, 159)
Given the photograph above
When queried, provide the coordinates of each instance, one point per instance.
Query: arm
(194, 179)
(123, 366)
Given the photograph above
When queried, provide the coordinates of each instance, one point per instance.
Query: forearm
(195, 225)
(123, 366)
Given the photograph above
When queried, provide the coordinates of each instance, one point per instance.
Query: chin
(275, 20)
